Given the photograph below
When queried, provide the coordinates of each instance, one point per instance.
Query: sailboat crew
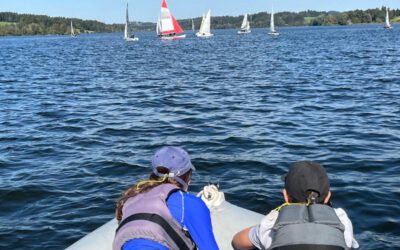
(305, 221)
(158, 213)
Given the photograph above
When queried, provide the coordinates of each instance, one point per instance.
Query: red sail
(164, 4)
(177, 27)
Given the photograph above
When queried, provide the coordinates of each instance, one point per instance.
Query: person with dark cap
(306, 220)
(159, 214)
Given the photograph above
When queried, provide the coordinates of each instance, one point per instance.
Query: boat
(193, 27)
(128, 34)
(387, 20)
(227, 219)
(167, 26)
(273, 31)
(73, 34)
(205, 27)
(245, 28)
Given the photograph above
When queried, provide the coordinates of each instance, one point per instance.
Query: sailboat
(128, 35)
(205, 27)
(73, 31)
(273, 31)
(387, 20)
(245, 28)
(167, 26)
(193, 28)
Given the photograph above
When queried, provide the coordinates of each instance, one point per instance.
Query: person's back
(159, 214)
(305, 221)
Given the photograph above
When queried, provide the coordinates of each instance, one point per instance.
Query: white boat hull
(134, 39)
(176, 37)
(273, 34)
(241, 32)
(204, 35)
(227, 220)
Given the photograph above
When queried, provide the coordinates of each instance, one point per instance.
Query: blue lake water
(80, 119)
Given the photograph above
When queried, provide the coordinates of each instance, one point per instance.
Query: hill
(26, 24)
(303, 18)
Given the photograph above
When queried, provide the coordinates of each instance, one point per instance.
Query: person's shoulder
(193, 199)
(269, 220)
(187, 198)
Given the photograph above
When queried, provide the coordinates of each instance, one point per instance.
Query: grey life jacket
(308, 227)
(146, 216)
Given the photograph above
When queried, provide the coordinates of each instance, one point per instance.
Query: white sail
(201, 30)
(207, 23)
(245, 23)
(166, 21)
(193, 28)
(158, 28)
(272, 27)
(273, 31)
(205, 27)
(387, 20)
(72, 30)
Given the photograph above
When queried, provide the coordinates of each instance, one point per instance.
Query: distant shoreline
(13, 24)
(188, 30)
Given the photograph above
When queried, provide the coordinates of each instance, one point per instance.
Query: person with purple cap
(158, 213)
(306, 220)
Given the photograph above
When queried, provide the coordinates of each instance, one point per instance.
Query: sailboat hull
(133, 39)
(176, 37)
(242, 32)
(204, 35)
(273, 34)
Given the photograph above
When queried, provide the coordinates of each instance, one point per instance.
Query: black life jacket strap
(161, 222)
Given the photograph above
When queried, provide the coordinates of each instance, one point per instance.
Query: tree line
(303, 18)
(27, 24)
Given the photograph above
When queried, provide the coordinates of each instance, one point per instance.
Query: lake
(81, 117)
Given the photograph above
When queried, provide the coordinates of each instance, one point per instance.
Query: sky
(112, 11)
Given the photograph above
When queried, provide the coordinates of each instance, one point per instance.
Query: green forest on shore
(13, 24)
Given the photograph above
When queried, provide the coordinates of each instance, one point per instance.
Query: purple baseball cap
(174, 158)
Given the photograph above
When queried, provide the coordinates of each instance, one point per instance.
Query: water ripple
(80, 119)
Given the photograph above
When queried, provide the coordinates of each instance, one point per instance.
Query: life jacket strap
(161, 222)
